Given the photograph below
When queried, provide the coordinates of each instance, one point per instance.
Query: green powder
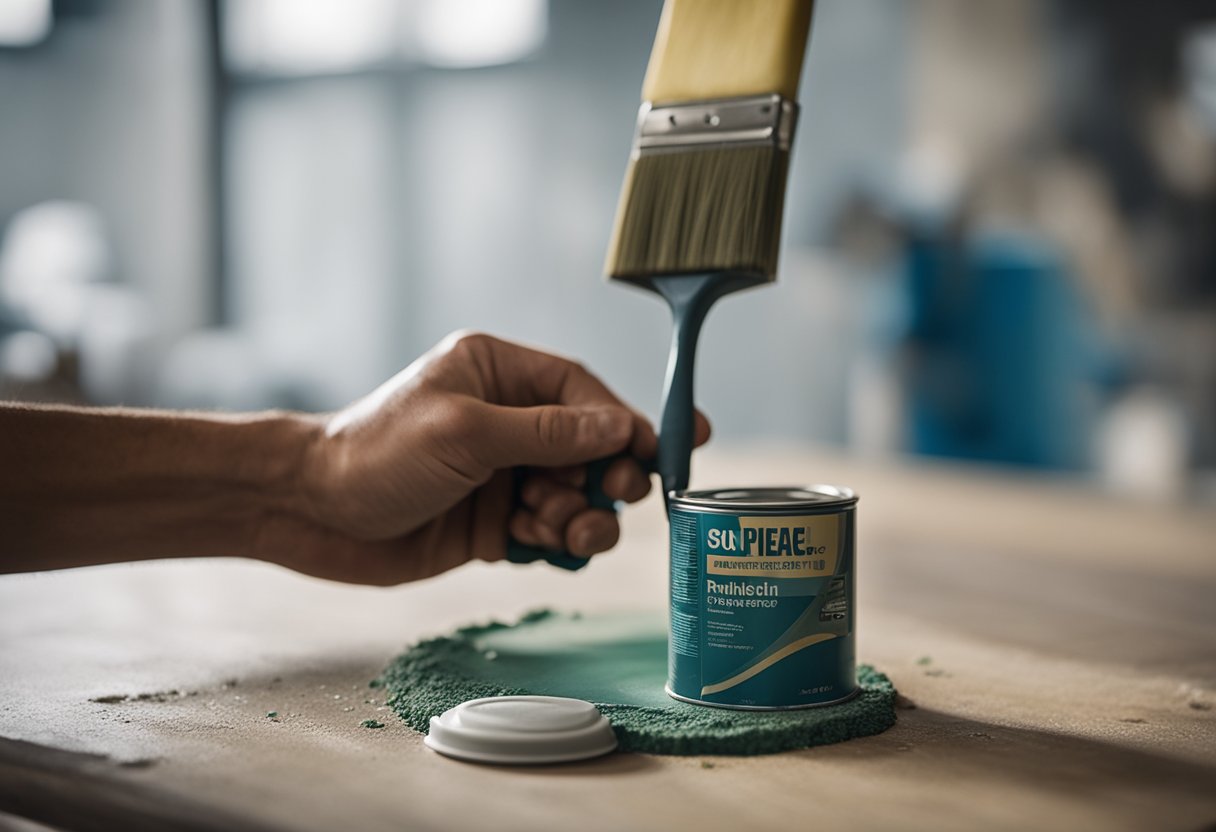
(619, 662)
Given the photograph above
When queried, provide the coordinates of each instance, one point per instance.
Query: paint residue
(619, 662)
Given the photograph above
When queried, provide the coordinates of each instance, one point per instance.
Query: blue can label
(761, 609)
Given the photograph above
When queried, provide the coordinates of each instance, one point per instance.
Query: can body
(762, 597)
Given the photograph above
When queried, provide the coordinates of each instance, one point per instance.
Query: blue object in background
(1002, 352)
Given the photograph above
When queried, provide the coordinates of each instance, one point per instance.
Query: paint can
(762, 597)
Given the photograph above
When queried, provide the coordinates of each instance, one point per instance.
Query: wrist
(250, 471)
(282, 448)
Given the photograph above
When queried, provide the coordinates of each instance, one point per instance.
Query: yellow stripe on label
(765, 663)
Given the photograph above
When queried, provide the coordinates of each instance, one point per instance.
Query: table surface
(1056, 651)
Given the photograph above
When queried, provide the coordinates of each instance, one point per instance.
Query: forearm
(80, 487)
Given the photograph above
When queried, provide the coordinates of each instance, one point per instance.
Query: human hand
(416, 478)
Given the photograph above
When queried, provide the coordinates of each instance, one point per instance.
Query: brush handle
(677, 424)
(596, 498)
(690, 298)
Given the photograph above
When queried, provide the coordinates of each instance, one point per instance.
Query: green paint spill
(372, 723)
(619, 662)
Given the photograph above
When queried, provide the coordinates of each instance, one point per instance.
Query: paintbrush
(700, 210)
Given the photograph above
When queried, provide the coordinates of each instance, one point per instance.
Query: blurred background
(1000, 244)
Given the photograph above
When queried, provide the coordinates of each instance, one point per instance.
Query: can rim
(813, 497)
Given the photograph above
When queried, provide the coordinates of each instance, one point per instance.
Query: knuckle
(468, 341)
(552, 428)
(561, 506)
(535, 491)
(577, 368)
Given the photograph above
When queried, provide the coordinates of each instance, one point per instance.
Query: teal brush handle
(596, 498)
(690, 298)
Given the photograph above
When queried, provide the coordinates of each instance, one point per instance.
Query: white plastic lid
(522, 729)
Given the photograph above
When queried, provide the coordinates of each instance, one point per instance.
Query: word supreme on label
(773, 540)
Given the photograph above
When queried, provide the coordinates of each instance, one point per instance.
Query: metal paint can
(762, 597)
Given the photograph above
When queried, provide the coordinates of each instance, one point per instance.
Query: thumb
(552, 435)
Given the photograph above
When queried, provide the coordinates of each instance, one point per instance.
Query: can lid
(784, 497)
(517, 730)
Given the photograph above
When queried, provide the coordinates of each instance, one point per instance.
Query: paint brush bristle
(715, 209)
(705, 185)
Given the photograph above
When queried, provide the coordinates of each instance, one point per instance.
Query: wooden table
(1057, 652)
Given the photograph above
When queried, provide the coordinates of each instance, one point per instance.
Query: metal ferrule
(757, 119)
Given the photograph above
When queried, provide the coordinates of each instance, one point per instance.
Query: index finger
(525, 377)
